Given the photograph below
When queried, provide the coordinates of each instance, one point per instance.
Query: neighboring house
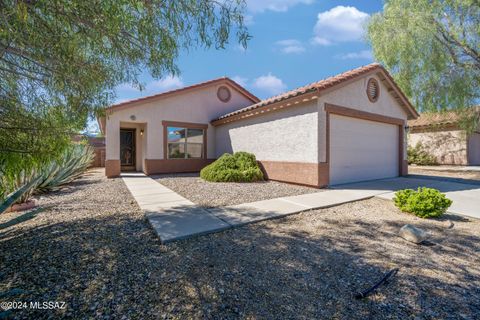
(98, 145)
(441, 135)
(346, 128)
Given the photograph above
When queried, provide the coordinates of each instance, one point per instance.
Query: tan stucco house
(441, 135)
(346, 128)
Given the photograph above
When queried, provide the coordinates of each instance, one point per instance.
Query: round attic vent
(373, 90)
(224, 94)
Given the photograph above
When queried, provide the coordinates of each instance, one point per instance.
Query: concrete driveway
(465, 196)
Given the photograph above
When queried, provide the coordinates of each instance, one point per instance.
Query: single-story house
(346, 128)
(441, 135)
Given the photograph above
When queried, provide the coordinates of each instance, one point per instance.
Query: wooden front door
(127, 149)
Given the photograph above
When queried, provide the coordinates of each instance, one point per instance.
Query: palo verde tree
(60, 61)
(432, 48)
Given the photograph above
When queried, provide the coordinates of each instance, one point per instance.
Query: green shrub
(237, 167)
(420, 156)
(424, 203)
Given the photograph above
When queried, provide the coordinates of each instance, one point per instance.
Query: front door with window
(127, 149)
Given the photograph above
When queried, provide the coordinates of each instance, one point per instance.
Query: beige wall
(448, 147)
(198, 106)
(286, 135)
(474, 149)
(353, 95)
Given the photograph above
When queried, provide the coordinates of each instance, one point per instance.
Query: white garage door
(362, 150)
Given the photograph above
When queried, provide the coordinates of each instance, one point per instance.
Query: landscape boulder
(412, 234)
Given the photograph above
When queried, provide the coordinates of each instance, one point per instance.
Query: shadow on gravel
(27, 215)
(105, 267)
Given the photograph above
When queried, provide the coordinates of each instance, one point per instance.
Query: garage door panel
(362, 150)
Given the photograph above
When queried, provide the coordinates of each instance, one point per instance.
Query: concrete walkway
(465, 196)
(173, 217)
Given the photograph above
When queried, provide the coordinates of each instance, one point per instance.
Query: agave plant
(51, 176)
(73, 163)
(19, 195)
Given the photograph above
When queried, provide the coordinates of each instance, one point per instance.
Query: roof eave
(390, 84)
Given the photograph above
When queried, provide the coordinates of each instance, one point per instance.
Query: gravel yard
(215, 194)
(91, 247)
(445, 171)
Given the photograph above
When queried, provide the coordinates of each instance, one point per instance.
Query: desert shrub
(50, 176)
(237, 167)
(424, 202)
(420, 156)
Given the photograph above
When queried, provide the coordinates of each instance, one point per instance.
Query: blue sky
(294, 42)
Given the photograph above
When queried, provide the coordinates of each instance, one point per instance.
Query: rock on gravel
(412, 234)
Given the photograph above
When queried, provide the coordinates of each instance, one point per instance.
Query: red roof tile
(430, 119)
(323, 85)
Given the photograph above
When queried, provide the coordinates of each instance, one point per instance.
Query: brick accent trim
(308, 174)
(112, 168)
(153, 166)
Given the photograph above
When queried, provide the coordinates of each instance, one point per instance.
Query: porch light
(141, 132)
(407, 128)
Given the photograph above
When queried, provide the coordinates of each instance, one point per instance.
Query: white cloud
(290, 46)
(240, 80)
(165, 84)
(258, 6)
(153, 87)
(364, 54)
(339, 24)
(321, 41)
(269, 84)
(248, 19)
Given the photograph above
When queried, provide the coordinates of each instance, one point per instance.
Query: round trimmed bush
(424, 202)
(237, 167)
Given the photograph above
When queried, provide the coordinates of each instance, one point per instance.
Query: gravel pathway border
(218, 194)
(92, 247)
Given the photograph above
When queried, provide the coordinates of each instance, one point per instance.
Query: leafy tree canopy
(60, 60)
(432, 48)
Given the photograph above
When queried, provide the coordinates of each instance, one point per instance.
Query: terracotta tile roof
(319, 86)
(430, 119)
(229, 81)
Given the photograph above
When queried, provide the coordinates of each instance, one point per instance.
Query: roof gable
(183, 90)
(132, 103)
(324, 85)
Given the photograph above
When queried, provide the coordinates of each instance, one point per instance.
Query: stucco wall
(199, 106)
(448, 147)
(285, 135)
(474, 149)
(353, 95)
